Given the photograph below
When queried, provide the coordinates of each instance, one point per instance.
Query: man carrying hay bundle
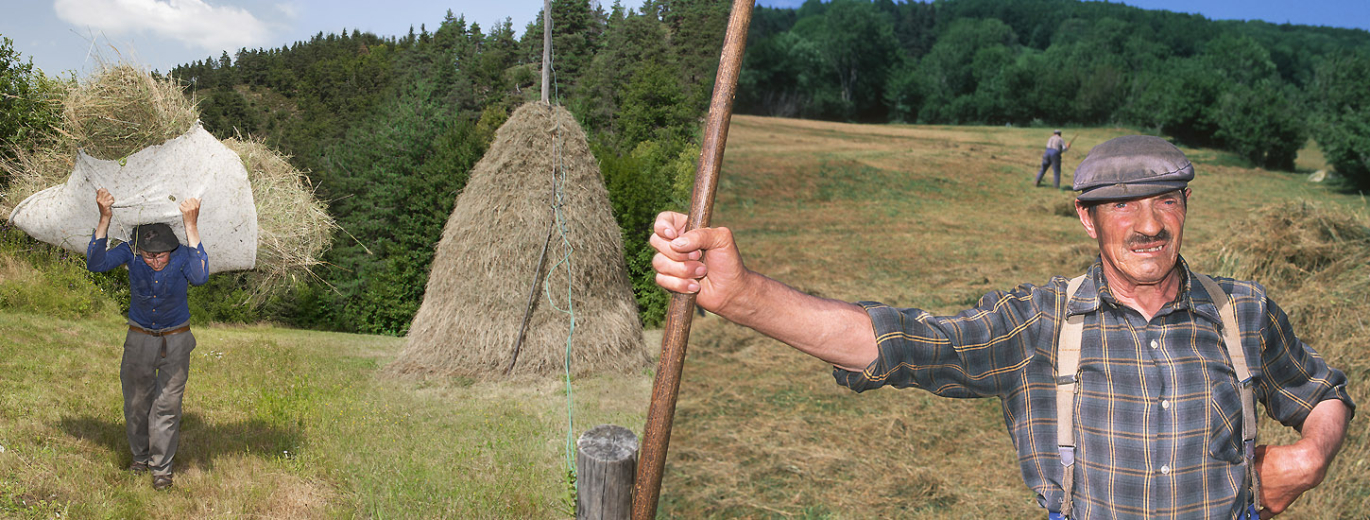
(1143, 370)
(156, 360)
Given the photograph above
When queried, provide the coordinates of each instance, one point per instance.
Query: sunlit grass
(278, 423)
(297, 424)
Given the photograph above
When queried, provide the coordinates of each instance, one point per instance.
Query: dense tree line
(1255, 88)
(388, 127)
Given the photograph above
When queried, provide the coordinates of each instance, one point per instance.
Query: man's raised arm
(706, 262)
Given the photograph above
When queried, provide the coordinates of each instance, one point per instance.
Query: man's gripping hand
(703, 261)
(105, 202)
(190, 210)
(190, 215)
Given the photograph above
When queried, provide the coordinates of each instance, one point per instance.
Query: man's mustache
(1138, 239)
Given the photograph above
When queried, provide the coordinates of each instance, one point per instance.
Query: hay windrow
(485, 263)
(1293, 243)
(1313, 260)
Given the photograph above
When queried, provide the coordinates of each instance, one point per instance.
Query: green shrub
(1341, 120)
(39, 278)
(654, 177)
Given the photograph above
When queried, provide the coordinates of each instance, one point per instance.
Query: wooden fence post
(606, 460)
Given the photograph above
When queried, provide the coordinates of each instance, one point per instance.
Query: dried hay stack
(479, 283)
(123, 109)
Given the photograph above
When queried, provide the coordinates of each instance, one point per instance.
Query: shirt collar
(1094, 292)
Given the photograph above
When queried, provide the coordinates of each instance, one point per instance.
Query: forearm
(1323, 431)
(102, 227)
(190, 215)
(192, 233)
(834, 331)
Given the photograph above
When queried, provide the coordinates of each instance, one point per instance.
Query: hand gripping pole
(657, 433)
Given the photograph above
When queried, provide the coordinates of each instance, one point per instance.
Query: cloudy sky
(70, 35)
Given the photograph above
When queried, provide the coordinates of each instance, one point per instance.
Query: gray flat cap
(154, 238)
(1130, 167)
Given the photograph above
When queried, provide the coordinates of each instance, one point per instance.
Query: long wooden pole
(657, 434)
(546, 50)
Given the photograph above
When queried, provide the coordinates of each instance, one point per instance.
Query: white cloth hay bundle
(148, 187)
(478, 286)
(122, 109)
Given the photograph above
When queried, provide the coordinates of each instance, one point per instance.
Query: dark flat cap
(154, 238)
(1130, 167)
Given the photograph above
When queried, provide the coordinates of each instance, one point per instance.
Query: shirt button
(1165, 404)
(1154, 344)
(1165, 470)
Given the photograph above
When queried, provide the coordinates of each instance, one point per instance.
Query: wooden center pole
(657, 434)
(546, 51)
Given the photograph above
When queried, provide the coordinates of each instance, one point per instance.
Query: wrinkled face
(1139, 239)
(157, 261)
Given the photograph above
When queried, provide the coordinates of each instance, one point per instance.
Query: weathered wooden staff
(657, 434)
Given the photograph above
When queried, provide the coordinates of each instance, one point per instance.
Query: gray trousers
(153, 386)
(1052, 158)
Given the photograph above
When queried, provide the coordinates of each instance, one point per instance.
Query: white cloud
(193, 22)
(289, 9)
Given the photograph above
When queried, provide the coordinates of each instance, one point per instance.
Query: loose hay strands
(123, 109)
(293, 227)
(35, 170)
(119, 110)
(1315, 262)
(478, 287)
(1296, 243)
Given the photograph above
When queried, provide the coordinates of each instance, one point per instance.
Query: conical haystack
(485, 264)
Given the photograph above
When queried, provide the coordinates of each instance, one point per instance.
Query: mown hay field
(934, 217)
(299, 424)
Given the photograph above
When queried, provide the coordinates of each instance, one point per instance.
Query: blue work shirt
(158, 298)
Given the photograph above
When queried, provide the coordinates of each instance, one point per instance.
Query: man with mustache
(156, 360)
(1154, 369)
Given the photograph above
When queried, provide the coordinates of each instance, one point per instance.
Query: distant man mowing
(1129, 391)
(157, 348)
(1052, 157)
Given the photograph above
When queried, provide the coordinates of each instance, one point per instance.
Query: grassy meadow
(298, 424)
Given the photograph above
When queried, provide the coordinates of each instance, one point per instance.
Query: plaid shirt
(1158, 418)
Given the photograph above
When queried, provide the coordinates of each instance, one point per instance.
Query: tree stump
(606, 460)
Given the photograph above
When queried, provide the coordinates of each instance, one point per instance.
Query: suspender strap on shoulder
(1067, 364)
(1232, 338)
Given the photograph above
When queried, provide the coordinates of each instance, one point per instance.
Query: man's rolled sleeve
(976, 353)
(196, 270)
(887, 369)
(1295, 378)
